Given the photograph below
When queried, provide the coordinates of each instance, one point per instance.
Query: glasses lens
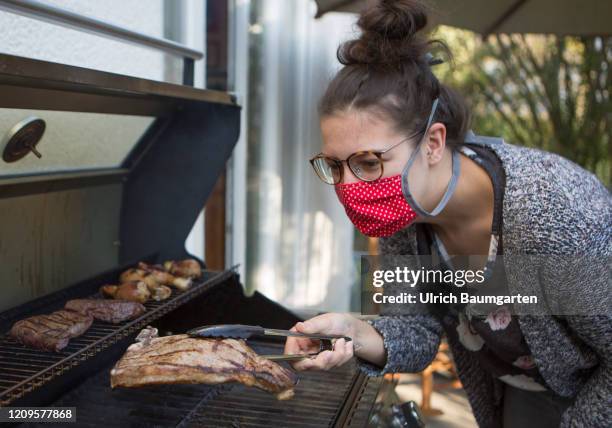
(366, 166)
(327, 170)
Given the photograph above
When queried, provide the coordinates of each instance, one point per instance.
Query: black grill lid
(166, 178)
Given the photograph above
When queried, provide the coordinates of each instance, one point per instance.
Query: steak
(51, 332)
(112, 311)
(183, 359)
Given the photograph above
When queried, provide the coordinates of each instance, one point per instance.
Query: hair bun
(394, 19)
(389, 34)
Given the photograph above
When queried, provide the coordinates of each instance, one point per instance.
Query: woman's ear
(435, 143)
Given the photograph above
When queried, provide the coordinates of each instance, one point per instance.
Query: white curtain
(299, 240)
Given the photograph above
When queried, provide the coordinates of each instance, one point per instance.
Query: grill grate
(321, 399)
(23, 369)
(317, 402)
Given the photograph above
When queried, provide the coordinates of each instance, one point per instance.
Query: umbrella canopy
(560, 17)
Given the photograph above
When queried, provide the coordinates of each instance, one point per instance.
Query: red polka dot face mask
(376, 208)
(384, 206)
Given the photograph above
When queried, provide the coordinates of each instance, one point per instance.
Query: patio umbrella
(560, 17)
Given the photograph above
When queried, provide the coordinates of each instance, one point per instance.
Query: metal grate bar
(96, 339)
(17, 365)
(247, 415)
(263, 401)
(319, 398)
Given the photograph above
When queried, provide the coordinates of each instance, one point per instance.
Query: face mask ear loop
(452, 184)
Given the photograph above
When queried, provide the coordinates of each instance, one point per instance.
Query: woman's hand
(362, 334)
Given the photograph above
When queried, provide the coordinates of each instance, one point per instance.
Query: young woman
(397, 148)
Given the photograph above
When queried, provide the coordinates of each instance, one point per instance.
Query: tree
(538, 90)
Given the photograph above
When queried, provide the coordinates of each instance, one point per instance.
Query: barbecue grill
(98, 172)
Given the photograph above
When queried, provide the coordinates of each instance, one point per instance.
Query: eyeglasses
(366, 165)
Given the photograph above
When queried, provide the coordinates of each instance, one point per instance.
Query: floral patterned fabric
(501, 348)
(572, 353)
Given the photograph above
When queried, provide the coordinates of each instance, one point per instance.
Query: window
(74, 141)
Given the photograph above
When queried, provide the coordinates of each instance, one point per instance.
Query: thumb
(313, 325)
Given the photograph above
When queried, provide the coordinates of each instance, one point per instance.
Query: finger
(313, 363)
(295, 344)
(339, 356)
(302, 365)
(292, 346)
(302, 341)
(350, 351)
(298, 345)
(346, 351)
(343, 352)
(314, 325)
(305, 343)
(323, 361)
(308, 346)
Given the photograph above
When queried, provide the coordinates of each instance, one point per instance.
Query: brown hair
(387, 71)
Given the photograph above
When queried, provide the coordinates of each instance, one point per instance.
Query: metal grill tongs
(240, 331)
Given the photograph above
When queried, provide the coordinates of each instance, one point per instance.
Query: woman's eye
(369, 164)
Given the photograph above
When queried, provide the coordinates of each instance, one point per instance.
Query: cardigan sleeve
(411, 343)
(578, 285)
(585, 281)
(411, 340)
(556, 210)
(593, 404)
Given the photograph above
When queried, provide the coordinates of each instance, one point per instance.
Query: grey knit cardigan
(551, 206)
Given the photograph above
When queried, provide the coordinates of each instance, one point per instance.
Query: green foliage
(541, 91)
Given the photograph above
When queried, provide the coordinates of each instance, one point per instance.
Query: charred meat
(134, 291)
(188, 268)
(182, 359)
(51, 332)
(112, 311)
(154, 278)
(161, 292)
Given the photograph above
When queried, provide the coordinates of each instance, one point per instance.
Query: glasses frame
(338, 162)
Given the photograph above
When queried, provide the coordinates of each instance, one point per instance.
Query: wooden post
(216, 78)
(372, 246)
(214, 226)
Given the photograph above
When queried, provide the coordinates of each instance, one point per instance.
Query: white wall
(40, 40)
(31, 38)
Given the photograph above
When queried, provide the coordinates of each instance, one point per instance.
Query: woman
(397, 148)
